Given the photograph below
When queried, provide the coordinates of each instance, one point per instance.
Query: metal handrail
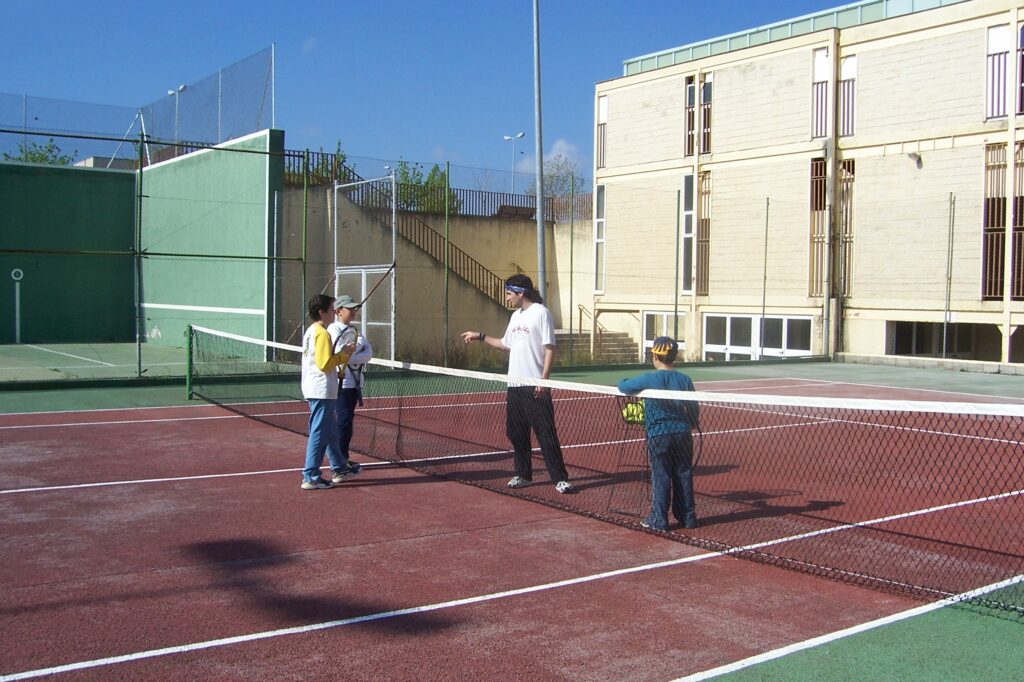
(324, 168)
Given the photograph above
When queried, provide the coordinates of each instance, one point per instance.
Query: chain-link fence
(235, 237)
(233, 102)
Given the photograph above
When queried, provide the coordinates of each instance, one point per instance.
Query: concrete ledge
(980, 366)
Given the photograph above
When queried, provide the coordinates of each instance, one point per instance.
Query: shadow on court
(756, 504)
(243, 567)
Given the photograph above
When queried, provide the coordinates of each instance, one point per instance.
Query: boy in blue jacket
(669, 438)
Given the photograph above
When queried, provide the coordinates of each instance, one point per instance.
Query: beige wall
(640, 234)
(917, 87)
(762, 102)
(738, 214)
(902, 228)
(645, 122)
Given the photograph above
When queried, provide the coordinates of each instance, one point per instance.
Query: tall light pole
(513, 138)
(542, 285)
(176, 92)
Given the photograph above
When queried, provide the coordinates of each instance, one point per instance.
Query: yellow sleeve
(322, 352)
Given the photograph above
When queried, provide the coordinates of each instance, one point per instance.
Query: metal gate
(377, 316)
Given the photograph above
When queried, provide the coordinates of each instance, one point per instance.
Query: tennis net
(921, 498)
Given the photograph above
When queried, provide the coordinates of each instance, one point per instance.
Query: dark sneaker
(691, 522)
(519, 482)
(353, 470)
(318, 484)
(647, 524)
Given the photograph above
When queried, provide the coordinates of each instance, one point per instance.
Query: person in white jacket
(320, 364)
(350, 392)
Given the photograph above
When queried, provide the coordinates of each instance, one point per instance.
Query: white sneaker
(564, 487)
(519, 482)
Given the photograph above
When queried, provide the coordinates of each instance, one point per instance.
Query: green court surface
(30, 362)
(952, 643)
(956, 642)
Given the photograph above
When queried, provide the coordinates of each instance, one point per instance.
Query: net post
(188, 363)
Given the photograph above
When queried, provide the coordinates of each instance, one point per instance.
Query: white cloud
(309, 45)
(563, 147)
(526, 163)
(438, 154)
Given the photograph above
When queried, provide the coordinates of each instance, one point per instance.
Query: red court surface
(176, 544)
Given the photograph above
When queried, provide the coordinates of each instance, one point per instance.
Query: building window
(599, 240)
(995, 81)
(819, 228)
(751, 337)
(1020, 70)
(706, 86)
(846, 175)
(932, 339)
(705, 114)
(691, 115)
(847, 95)
(994, 223)
(602, 120)
(704, 234)
(819, 93)
(663, 324)
(1017, 243)
(686, 274)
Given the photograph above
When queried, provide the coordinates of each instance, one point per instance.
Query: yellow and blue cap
(665, 347)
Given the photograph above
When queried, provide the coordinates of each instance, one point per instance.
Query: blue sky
(425, 81)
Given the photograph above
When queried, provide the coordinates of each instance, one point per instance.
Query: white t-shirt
(353, 377)
(528, 332)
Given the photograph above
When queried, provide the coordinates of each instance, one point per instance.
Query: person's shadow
(755, 504)
(244, 566)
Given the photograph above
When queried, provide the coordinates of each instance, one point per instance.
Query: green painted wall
(66, 298)
(212, 202)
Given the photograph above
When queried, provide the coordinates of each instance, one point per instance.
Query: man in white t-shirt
(530, 341)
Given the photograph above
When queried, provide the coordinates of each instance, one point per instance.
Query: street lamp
(513, 138)
(180, 89)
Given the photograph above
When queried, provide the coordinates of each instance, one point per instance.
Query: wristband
(482, 336)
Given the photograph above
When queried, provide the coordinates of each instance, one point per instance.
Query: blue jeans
(345, 405)
(323, 432)
(671, 457)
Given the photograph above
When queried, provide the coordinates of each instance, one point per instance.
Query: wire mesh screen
(925, 499)
(234, 101)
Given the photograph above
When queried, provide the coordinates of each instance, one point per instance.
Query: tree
(424, 194)
(325, 167)
(49, 153)
(559, 174)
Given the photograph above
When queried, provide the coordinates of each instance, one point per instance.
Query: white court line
(69, 355)
(123, 422)
(912, 388)
(171, 479)
(740, 389)
(847, 632)
(192, 405)
(313, 627)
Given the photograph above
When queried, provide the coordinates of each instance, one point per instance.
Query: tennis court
(30, 362)
(174, 542)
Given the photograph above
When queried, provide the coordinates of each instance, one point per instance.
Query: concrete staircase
(610, 348)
